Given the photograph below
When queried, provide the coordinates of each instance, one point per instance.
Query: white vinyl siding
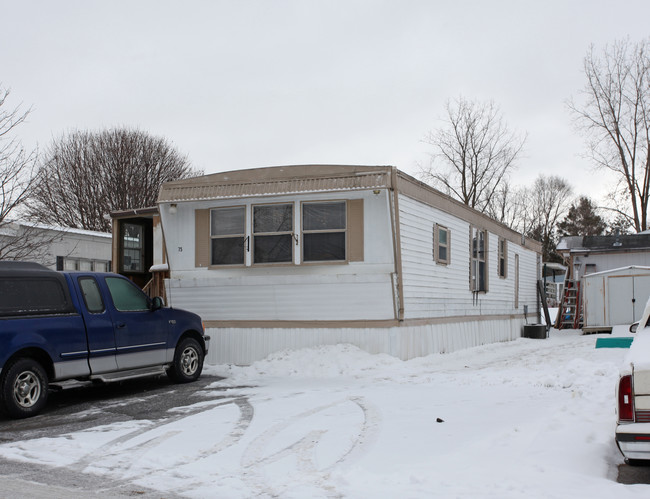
(311, 297)
(355, 290)
(432, 290)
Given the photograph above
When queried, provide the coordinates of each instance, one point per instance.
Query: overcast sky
(243, 84)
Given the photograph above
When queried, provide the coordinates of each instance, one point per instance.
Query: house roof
(276, 180)
(12, 228)
(624, 242)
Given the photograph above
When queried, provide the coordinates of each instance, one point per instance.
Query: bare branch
(473, 153)
(86, 175)
(615, 120)
(16, 181)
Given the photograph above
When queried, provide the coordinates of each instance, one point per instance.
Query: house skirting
(245, 345)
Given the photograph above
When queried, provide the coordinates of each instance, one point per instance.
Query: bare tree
(17, 241)
(473, 152)
(615, 119)
(508, 206)
(86, 175)
(548, 202)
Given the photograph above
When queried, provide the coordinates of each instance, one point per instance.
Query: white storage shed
(614, 297)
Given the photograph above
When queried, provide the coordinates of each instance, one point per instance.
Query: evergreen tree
(620, 225)
(582, 220)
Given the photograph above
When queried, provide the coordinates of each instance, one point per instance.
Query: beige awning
(275, 181)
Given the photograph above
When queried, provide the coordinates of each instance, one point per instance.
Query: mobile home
(297, 256)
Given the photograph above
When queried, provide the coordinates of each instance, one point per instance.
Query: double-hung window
(441, 244)
(295, 232)
(324, 231)
(227, 235)
(273, 233)
(503, 258)
(133, 248)
(478, 268)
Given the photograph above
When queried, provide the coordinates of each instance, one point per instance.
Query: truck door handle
(121, 325)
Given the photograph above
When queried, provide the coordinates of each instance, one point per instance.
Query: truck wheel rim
(27, 389)
(189, 361)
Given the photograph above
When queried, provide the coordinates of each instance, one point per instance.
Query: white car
(633, 396)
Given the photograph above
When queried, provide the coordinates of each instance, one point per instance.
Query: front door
(140, 333)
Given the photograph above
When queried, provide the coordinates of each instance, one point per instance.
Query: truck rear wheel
(24, 388)
(188, 361)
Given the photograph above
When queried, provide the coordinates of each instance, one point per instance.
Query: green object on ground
(623, 342)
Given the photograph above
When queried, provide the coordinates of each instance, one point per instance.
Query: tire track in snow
(258, 455)
(116, 447)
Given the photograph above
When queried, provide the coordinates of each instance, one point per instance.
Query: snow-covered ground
(528, 418)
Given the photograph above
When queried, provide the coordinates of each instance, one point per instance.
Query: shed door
(627, 297)
(620, 296)
(641, 294)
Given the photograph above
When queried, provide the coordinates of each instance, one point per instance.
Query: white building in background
(60, 248)
(298, 256)
(613, 273)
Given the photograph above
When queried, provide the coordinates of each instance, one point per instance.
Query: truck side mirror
(156, 303)
(634, 327)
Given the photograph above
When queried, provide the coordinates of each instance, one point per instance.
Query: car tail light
(625, 399)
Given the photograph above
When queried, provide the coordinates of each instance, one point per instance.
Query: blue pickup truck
(57, 326)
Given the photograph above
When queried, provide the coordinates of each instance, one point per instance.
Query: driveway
(79, 406)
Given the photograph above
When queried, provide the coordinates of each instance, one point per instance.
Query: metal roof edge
(275, 181)
(619, 269)
(425, 193)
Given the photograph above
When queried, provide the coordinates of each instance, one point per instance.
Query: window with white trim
(133, 248)
(297, 232)
(478, 268)
(227, 235)
(324, 231)
(503, 258)
(273, 233)
(441, 244)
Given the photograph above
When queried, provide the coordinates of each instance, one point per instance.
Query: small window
(478, 269)
(91, 294)
(133, 248)
(323, 231)
(273, 233)
(127, 297)
(227, 235)
(100, 266)
(23, 296)
(503, 258)
(441, 240)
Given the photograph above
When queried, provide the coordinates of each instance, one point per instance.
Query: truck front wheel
(24, 388)
(188, 361)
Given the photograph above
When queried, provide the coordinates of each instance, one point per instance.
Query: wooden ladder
(570, 313)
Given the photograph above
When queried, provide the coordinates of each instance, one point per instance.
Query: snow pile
(318, 362)
(528, 418)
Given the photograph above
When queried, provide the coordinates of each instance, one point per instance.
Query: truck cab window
(91, 294)
(126, 297)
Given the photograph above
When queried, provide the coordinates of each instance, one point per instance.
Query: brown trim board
(360, 324)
